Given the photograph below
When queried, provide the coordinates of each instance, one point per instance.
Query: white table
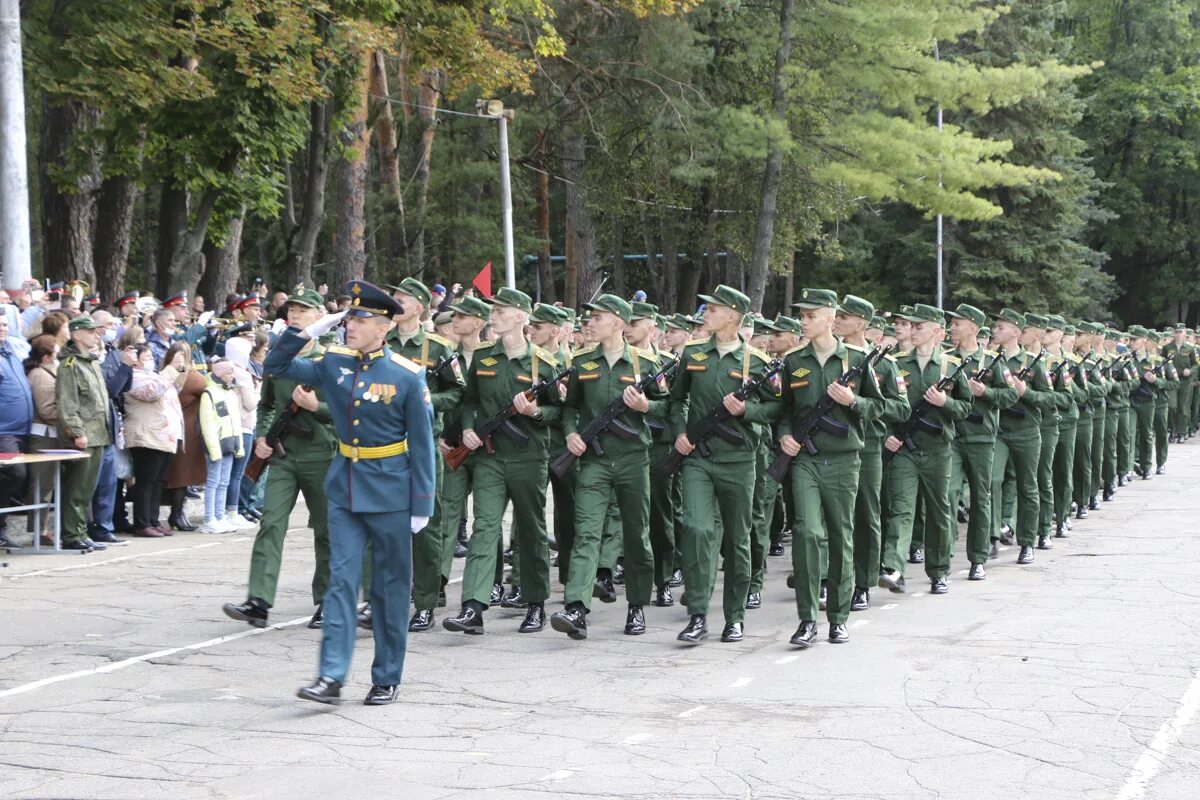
(57, 458)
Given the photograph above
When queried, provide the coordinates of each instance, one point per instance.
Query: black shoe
(81, 545)
(422, 620)
(676, 579)
(95, 545)
(838, 634)
(977, 573)
(1060, 531)
(776, 549)
(253, 611)
(1045, 543)
(1026, 555)
(366, 618)
(938, 586)
(441, 603)
(460, 550)
(861, 599)
(1006, 535)
(106, 538)
(469, 620)
(963, 516)
(994, 550)
(380, 695)
(696, 630)
(754, 600)
(1093, 504)
(917, 556)
(892, 581)
(508, 556)
(791, 581)
(805, 635)
(823, 598)
(635, 621)
(604, 589)
(192, 493)
(552, 543)
(535, 619)
(318, 618)
(1161, 470)
(1110, 492)
(513, 599)
(785, 536)
(180, 522)
(1120, 480)
(497, 594)
(663, 598)
(572, 621)
(618, 575)
(1082, 513)
(732, 632)
(324, 690)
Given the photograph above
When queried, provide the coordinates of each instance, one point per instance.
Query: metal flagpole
(14, 185)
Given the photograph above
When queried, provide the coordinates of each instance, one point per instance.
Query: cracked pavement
(1050, 680)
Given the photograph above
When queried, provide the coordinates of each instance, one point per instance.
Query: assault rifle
(1145, 389)
(285, 425)
(982, 374)
(714, 423)
(818, 417)
(502, 421)
(609, 420)
(1016, 411)
(917, 418)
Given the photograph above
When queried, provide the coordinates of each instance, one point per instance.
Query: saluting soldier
(446, 386)
(380, 485)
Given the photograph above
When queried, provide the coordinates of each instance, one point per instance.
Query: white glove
(324, 325)
(204, 318)
(278, 326)
(418, 524)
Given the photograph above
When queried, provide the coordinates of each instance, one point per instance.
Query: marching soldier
(1183, 358)
(1163, 391)
(546, 331)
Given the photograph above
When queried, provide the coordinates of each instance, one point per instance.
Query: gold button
(358, 402)
(355, 441)
(366, 367)
(361, 384)
(356, 421)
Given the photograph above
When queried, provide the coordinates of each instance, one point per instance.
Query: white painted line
(888, 606)
(917, 594)
(964, 572)
(635, 738)
(740, 682)
(786, 659)
(1152, 758)
(691, 712)
(116, 665)
(557, 775)
(858, 623)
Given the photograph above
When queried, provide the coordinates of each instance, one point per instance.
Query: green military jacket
(494, 379)
(1120, 381)
(1060, 389)
(446, 385)
(277, 396)
(82, 399)
(1067, 383)
(1181, 357)
(595, 385)
(896, 407)
(1038, 399)
(917, 381)
(806, 381)
(660, 431)
(983, 420)
(704, 378)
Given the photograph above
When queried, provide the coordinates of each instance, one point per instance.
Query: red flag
(483, 281)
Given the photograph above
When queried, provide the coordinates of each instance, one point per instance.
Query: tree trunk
(68, 211)
(428, 94)
(579, 215)
(544, 266)
(187, 264)
(350, 255)
(618, 256)
(302, 241)
(650, 245)
(114, 222)
(172, 224)
(670, 244)
(223, 265)
(389, 161)
(773, 170)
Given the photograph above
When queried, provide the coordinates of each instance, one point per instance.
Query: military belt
(354, 452)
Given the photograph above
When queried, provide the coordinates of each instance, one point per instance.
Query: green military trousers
(664, 502)
(1126, 427)
(868, 521)
(974, 460)
(825, 487)
(79, 479)
(1099, 426)
(1083, 461)
(1161, 441)
(924, 474)
(709, 487)
(428, 551)
(1112, 433)
(1023, 450)
(765, 491)
(1045, 482)
(287, 479)
(1064, 471)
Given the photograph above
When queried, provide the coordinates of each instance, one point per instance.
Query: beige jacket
(153, 418)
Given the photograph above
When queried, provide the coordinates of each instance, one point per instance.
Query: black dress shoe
(754, 600)
(1110, 492)
(805, 635)
(1093, 504)
(1120, 480)
(604, 589)
(95, 545)
(732, 632)
(192, 493)
(497, 594)
(1026, 555)
(1045, 543)
(917, 556)
(469, 620)
(513, 599)
(572, 621)
(838, 634)
(676, 579)
(422, 620)
(861, 599)
(938, 586)
(318, 618)
(106, 538)
(508, 556)
(441, 603)
(81, 546)
(535, 619)
(892, 581)
(366, 617)
(618, 575)
(380, 695)
(994, 550)
(635, 621)
(963, 516)
(1161, 470)
(180, 523)
(460, 550)
(696, 630)
(977, 573)
(823, 598)
(324, 690)
(1006, 535)
(663, 598)
(791, 581)
(1060, 531)
(253, 611)
(776, 549)
(1082, 513)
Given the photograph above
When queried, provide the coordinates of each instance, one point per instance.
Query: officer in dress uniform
(380, 485)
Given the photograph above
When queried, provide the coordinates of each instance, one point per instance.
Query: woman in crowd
(221, 429)
(55, 324)
(189, 467)
(237, 351)
(153, 433)
(41, 367)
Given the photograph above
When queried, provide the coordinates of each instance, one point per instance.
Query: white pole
(14, 185)
(510, 262)
(937, 58)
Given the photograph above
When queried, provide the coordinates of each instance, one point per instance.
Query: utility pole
(496, 110)
(14, 182)
(937, 59)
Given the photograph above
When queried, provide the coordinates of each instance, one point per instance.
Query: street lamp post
(496, 110)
